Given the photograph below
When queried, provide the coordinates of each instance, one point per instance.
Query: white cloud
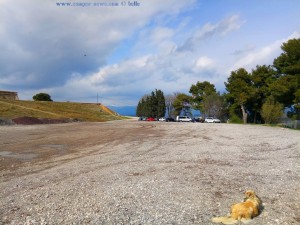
(203, 63)
(133, 78)
(264, 55)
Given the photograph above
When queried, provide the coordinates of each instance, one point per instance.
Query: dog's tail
(224, 220)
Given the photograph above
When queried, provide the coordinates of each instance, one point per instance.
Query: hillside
(57, 110)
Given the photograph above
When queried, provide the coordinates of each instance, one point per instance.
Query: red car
(150, 119)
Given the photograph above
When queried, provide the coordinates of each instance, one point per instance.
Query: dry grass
(57, 110)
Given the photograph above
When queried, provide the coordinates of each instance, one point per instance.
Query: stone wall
(9, 95)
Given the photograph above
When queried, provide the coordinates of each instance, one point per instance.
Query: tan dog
(243, 211)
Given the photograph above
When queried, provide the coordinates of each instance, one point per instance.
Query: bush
(42, 97)
(235, 119)
(271, 111)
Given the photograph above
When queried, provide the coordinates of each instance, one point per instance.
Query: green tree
(42, 97)
(199, 91)
(272, 111)
(140, 110)
(182, 103)
(161, 103)
(239, 90)
(262, 78)
(143, 107)
(288, 62)
(286, 88)
(235, 113)
(152, 105)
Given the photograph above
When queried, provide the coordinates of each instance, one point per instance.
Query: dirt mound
(26, 120)
(32, 120)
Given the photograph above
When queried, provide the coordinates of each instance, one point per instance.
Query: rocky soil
(131, 172)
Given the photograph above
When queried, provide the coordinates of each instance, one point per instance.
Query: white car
(162, 119)
(211, 120)
(183, 119)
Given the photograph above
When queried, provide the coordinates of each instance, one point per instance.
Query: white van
(183, 119)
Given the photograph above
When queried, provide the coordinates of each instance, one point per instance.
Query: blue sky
(123, 52)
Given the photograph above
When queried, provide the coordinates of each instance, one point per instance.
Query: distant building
(8, 95)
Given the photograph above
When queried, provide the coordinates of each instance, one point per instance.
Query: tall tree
(140, 109)
(240, 90)
(287, 88)
(199, 91)
(262, 78)
(143, 106)
(161, 103)
(152, 105)
(182, 103)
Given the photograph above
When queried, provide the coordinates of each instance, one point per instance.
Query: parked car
(150, 119)
(211, 120)
(183, 119)
(142, 119)
(170, 119)
(162, 119)
(198, 119)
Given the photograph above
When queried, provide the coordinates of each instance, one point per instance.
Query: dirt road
(130, 172)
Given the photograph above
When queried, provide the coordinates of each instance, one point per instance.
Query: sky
(114, 52)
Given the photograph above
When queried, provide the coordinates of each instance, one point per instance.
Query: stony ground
(130, 172)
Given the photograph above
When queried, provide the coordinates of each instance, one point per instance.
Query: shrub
(42, 97)
(271, 111)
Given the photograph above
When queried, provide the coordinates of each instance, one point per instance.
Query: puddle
(24, 156)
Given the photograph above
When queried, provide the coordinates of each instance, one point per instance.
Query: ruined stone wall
(8, 95)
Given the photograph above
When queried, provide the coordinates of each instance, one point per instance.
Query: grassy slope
(56, 110)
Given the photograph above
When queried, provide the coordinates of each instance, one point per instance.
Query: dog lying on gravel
(243, 211)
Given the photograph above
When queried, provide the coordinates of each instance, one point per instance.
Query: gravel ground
(130, 172)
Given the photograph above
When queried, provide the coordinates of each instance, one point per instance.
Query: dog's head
(250, 194)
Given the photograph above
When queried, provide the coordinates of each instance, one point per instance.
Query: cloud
(209, 30)
(155, 39)
(122, 53)
(124, 83)
(44, 49)
(264, 55)
(203, 63)
(244, 51)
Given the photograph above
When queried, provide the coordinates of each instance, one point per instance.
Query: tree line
(152, 105)
(259, 96)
